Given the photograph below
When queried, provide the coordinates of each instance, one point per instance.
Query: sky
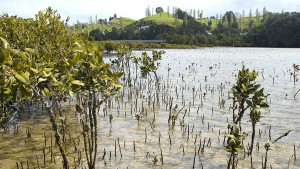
(82, 9)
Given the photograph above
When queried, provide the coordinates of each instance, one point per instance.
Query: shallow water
(220, 65)
(16, 147)
(188, 69)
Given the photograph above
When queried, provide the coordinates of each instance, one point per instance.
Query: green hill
(126, 21)
(213, 21)
(116, 23)
(163, 18)
(245, 21)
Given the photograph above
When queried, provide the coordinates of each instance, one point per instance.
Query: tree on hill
(159, 10)
(257, 15)
(176, 19)
(265, 14)
(225, 21)
(113, 35)
(228, 26)
(209, 24)
(193, 28)
(250, 19)
(121, 23)
(156, 29)
(97, 35)
(241, 23)
(185, 19)
(182, 13)
(230, 16)
(201, 15)
(148, 12)
(231, 21)
(243, 15)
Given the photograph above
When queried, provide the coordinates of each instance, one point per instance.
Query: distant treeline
(274, 30)
(280, 30)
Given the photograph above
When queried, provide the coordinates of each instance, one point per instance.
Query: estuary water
(211, 71)
(199, 82)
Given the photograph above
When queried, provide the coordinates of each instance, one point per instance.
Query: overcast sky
(82, 9)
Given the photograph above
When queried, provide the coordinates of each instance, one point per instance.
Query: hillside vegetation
(163, 18)
(187, 30)
(126, 21)
(116, 22)
(245, 21)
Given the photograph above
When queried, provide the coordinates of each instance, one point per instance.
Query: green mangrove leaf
(57, 83)
(119, 74)
(228, 135)
(116, 84)
(24, 91)
(24, 56)
(5, 43)
(8, 90)
(262, 106)
(46, 90)
(26, 76)
(7, 56)
(71, 93)
(296, 67)
(244, 87)
(29, 50)
(238, 149)
(46, 74)
(77, 82)
(35, 71)
(91, 48)
(15, 51)
(48, 69)
(41, 80)
(235, 130)
(16, 62)
(21, 77)
(76, 59)
(257, 86)
(228, 149)
(109, 73)
(36, 52)
(249, 102)
(243, 135)
(79, 109)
